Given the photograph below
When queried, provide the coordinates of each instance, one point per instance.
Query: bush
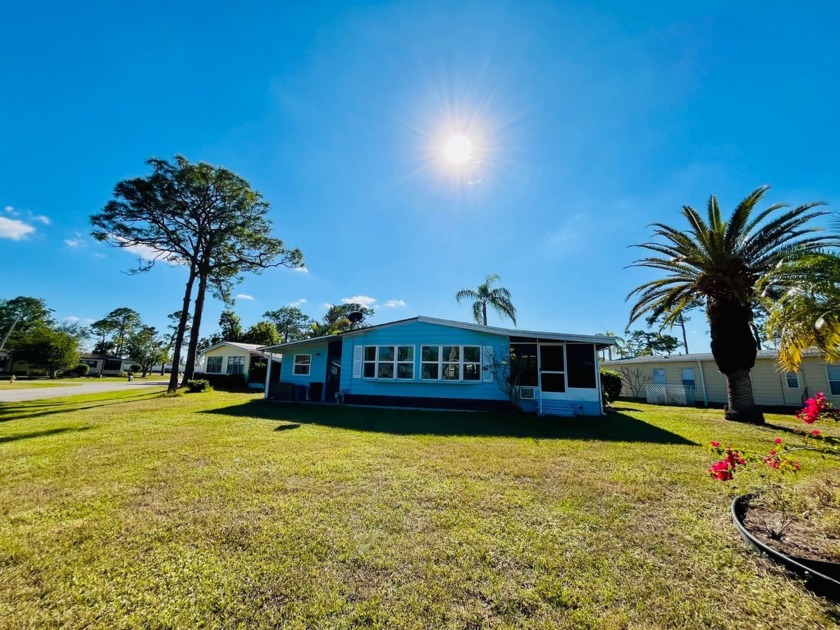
(198, 385)
(81, 369)
(610, 385)
(223, 381)
(135, 367)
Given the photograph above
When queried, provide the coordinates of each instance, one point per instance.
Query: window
(688, 377)
(214, 364)
(303, 362)
(89, 362)
(581, 357)
(112, 365)
(833, 378)
(792, 379)
(659, 376)
(450, 363)
(236, 365)
(388, 362)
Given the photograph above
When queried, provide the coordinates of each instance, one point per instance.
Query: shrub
(223, 381)
(81, 369)
(198, 385)
(610, 385)
(135, 367)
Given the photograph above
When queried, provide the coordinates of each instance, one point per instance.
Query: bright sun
(458, 149)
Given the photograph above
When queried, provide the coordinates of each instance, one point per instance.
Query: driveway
(39, 393)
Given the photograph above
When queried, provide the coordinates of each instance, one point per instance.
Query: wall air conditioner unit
(527, 393)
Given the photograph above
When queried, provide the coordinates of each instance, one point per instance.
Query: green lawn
(64, 382)
(128, 510)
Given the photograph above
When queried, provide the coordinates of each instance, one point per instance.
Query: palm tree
(498, 299)
(807, 313)
(721, 263)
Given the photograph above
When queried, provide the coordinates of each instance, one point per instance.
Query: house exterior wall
(226, 352)
(418, 334)
(317, 369)
(769, 382)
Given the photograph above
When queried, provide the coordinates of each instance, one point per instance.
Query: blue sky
(589, 120)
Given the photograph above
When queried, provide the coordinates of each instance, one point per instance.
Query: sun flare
(458, 149)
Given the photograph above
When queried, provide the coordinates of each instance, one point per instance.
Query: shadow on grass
(616, 427)
(37, 434)
(287, 427)
(41, 408)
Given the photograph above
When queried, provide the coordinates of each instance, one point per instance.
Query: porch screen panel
(581, 357)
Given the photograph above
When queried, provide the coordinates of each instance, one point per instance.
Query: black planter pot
(823, 578)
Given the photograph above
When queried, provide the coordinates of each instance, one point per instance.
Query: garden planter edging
(820, 577)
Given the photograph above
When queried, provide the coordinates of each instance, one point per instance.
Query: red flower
(815, 432)
(715, 444)
(778, 440)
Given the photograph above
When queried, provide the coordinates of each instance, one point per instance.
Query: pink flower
(815, 432)
(715, 444)
(778, 440)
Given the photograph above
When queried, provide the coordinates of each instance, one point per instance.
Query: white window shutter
(488, 364)
(357, 361)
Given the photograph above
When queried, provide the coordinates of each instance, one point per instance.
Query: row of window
(437, 363)
(791, 378)
(235, 365)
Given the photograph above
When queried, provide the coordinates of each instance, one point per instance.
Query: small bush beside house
(223, 381)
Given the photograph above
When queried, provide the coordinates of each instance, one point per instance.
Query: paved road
(37, 393)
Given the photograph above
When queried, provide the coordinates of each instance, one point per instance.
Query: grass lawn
(127, 509)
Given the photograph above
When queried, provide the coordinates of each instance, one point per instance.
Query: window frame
(307, 365)
(831, 388)
(214, 358)
(795, 375)
(461, 364)
(235, 361)
(664, 376)
(378, 362)
(693, 380)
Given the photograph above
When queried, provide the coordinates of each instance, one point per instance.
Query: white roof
(601, 341)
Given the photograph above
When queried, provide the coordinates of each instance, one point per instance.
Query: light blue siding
(417, 334)
(317, 371)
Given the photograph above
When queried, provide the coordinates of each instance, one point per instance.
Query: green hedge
(198, 385)
(610, 385)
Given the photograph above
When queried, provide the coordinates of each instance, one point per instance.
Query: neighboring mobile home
(103, 365)
(694, 378)
(228, 357)
(438, 363)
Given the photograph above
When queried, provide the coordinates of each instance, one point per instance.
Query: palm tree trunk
(734, 349)
(484, 312)
(740, 405)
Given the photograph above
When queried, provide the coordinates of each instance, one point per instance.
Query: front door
(552, 366)
(333, 371)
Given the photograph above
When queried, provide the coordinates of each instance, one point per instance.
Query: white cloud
(72, 319)
(364, 300)
(301, 269)
(244, 296)
(14, 229)
(73, 242)
(41, 218)
(299, 302)
(9, 209)
(395, 303)
(98, 255)
(325, 305)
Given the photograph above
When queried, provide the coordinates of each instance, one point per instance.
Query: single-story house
(229, 357)
(695, 379)
(105, 365)
(438, 363)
